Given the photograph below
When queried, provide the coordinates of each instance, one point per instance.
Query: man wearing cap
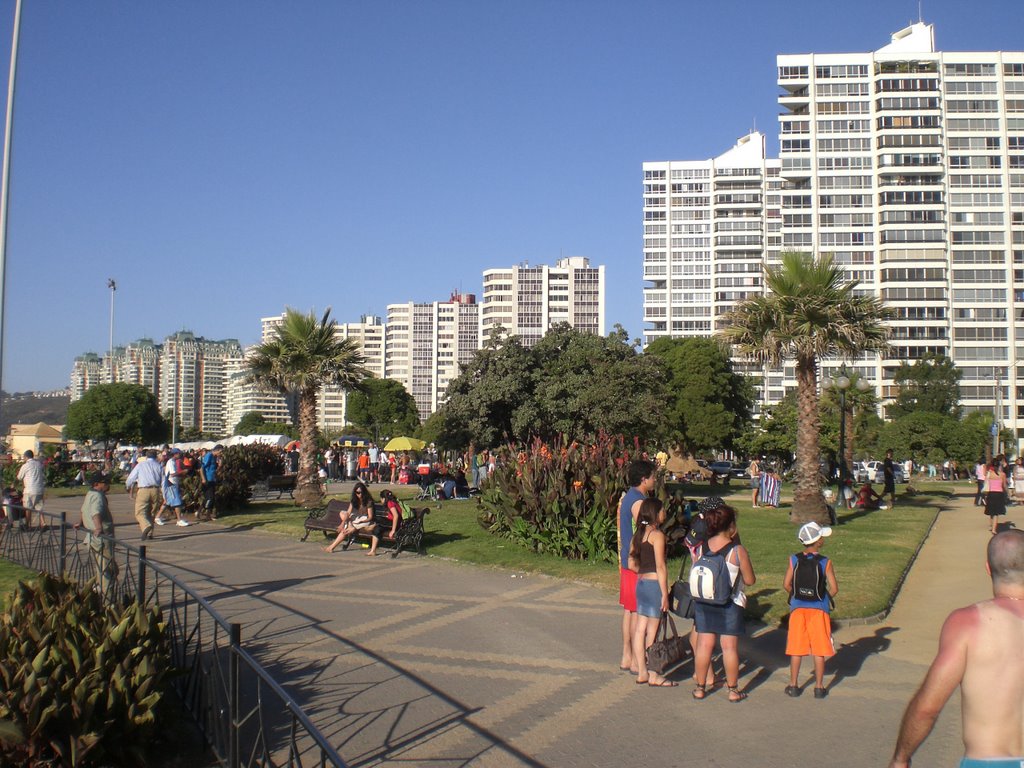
(98, 523)
(979, 651)
(810, 628)
(32, 475)
(208, 474)
(143, 485)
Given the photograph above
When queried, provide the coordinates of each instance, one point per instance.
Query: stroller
(428, 486)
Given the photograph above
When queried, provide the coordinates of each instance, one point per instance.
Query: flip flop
(664, 684)
(642, 682)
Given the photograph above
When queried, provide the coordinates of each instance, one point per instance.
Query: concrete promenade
(425, 662)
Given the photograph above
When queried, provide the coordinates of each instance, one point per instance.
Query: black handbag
(667, 650)
(681, 601)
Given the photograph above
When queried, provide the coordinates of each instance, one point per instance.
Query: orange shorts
(810, 633)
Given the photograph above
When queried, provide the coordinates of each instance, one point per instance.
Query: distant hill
(29, 409)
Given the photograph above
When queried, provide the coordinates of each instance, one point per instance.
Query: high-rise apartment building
(88, 371)
(193, 378)
(528, 300)
(427, 342)
(709, 225)
(907, 165)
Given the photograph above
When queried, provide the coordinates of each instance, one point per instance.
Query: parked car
(724, 469)
(875, 470)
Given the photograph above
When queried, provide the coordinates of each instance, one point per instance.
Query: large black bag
(681, 601)
(667, 650)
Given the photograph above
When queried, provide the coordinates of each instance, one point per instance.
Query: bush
(240, 466)
(560, 499)
(80, 679)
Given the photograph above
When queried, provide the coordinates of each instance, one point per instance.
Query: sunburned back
(993, 683)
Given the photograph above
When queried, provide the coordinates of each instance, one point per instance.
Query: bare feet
(371, 554)
(327, 549)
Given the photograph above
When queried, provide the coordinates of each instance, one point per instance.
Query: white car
(875, 471)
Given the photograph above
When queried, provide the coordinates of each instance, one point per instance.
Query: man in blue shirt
(208, 475)
(642, 476)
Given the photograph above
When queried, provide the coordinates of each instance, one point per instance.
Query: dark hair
(638, 470)
(1006, 557)
(367, 498)
(387, 496)
(646, 517)
(719, 519)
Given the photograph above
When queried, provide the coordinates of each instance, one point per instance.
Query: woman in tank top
(995, 498)
(647, 558)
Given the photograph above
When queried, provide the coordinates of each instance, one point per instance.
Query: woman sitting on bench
(392, 515)
(358, 515)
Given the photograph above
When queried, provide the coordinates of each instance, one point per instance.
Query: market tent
(279, 440)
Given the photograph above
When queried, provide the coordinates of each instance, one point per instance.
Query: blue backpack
(709, 577)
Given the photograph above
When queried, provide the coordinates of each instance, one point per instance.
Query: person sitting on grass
(810, 628)
(392, 515)
(867, 498)
(358, 515)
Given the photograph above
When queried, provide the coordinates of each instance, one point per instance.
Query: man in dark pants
(889, 474)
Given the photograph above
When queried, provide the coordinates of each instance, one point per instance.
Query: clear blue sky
(221, 160)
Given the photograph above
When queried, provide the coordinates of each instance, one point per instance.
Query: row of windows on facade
(951, 69)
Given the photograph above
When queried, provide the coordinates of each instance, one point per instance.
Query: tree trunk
(308, 492)
(808, 502)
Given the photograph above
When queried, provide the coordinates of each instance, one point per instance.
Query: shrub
(560, 499)
(80, 679)
(240, 466)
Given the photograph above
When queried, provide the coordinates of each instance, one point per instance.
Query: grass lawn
(871, 551)
(10, 575)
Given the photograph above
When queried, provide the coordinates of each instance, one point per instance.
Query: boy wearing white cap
(811, 583)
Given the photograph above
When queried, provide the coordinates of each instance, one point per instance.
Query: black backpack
(808, 579)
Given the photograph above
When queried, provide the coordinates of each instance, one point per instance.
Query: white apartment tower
(907, 165)
(193, 379)
(709, 225)
(427, 342)
(527, 301)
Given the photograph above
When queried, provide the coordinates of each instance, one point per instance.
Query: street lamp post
(842, 383)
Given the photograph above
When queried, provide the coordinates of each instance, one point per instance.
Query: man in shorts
(810, 628)
(642, 475)
(979, 651)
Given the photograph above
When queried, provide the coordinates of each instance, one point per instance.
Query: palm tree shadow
(850, 657)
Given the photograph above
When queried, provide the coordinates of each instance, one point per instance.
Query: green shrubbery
(557, 498)
(79, 680)
(240, 466)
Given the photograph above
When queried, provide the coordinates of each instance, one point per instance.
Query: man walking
(32, 476)
(96, 519)
(979, 651)
(143, 485)
(208, 470)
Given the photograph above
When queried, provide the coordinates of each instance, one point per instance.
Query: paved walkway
(429, 663)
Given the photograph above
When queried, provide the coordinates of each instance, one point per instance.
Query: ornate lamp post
(841, 383)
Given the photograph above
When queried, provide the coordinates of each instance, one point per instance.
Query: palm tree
(301, 356)
(810, 311)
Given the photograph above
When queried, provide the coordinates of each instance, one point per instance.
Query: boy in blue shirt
(810, 628)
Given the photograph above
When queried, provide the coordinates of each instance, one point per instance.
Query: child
(811, 583)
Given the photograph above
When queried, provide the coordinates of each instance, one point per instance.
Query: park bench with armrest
(408, 536)
(277, 484)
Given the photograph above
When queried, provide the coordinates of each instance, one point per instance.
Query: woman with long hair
(995, 498)
(723, 623)
(647, 557)
(392, 515)
(359, 513)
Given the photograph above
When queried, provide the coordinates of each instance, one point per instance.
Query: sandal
(699, 693)
(735, 694)
(664, 684)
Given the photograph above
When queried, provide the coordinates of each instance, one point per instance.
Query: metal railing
(247, 718)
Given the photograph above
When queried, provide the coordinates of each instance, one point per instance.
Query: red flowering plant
(561, 497)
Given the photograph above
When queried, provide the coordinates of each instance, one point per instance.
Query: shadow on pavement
(850, 657)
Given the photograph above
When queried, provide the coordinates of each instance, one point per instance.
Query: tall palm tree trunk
(308, 492)
(808, 502)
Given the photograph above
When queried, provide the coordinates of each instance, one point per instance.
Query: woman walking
(995, 498)
(647, 557)
(723, 623)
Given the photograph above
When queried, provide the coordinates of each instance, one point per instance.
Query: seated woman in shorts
(392, 516)
(358, 515)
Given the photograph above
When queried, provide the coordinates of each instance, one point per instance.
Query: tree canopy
(709, 404)
(572, 383)
(383, 407)
(118, 412)
(931, 384)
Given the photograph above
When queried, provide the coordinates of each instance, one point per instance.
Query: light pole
(110, 349)
(842, 383)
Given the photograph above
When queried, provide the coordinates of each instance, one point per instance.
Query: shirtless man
(979, 650)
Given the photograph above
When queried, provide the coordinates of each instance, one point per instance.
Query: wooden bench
(408, 536)
(277, 484)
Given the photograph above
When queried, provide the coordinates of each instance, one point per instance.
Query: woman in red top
(393, 513)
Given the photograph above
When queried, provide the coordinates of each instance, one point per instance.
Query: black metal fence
(248, 719)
